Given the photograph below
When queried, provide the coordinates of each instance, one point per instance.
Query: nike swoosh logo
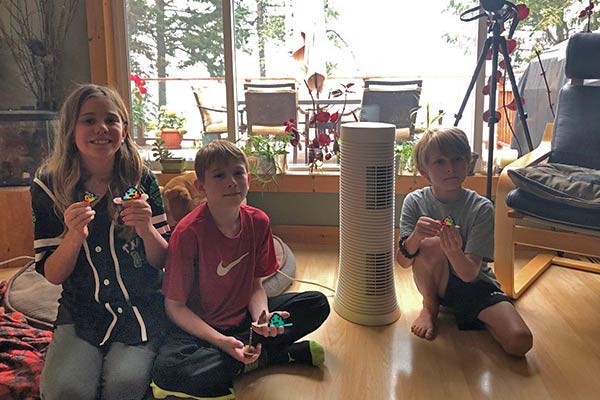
(222, 271)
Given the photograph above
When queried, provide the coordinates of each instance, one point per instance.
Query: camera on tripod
(497, 12)
(492, 5)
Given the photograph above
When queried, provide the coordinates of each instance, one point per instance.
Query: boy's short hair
(217, 152)
(450, 142)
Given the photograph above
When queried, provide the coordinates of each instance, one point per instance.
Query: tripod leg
(492, 120)
(480, 62)
(517, 96)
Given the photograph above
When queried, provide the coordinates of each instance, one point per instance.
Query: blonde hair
(450, 142)
(64, 167)
(220, 153)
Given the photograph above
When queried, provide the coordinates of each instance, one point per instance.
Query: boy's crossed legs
(430, 272)
(494, 310)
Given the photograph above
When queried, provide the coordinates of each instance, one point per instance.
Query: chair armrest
(221, 110)
(303, 111)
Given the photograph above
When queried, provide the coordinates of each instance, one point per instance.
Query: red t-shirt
(212, 273)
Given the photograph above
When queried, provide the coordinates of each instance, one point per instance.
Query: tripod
(495, 42)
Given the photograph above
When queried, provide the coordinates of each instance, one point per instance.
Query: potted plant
(326, 122)
(267, 156)
(405, 161)
(169, 126)
(168, 162)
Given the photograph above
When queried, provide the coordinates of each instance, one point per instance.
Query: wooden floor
(562, 310)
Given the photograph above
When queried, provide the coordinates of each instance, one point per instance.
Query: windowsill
(329, 182)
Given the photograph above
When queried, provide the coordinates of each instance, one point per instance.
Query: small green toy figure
(277, 321)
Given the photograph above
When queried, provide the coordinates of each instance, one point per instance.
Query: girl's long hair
(64, 167)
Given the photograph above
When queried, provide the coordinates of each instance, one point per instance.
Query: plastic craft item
(261, 321)
(277, 321)
(449, 222)
(130, 194)
(90, 197)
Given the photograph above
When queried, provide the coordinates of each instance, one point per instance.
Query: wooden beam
(107, 43)
(566, 241)
(303, 182)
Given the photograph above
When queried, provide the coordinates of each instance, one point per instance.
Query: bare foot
(424, 325)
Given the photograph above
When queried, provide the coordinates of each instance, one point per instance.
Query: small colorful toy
(130, 194)
(449, 222)
(90, 197)
(277, 321)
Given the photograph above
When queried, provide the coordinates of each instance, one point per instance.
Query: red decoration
(513, 104)
(486, 116)
(523, 11)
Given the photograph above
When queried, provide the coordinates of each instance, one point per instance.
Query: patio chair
(268, 106)
(394, 102)
(214, 120)
(561, 197)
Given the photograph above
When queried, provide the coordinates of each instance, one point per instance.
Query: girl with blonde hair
(108, 257)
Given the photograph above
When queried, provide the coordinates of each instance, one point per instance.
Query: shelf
(329, 182)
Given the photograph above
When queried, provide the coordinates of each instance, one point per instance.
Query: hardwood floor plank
(389, 362)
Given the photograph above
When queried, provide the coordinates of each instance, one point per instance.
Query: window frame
(108, 52)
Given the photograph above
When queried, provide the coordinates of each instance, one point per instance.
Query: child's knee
(69, 389)
(431, 257)
(431, 248)
(518, 342)
(129, 385)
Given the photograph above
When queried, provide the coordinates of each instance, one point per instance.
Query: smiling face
(225, 185)
(99, 131)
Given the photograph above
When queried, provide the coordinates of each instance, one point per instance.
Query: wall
(313, 209)
(76, 67)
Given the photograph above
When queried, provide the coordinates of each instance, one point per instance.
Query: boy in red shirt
(219, 255)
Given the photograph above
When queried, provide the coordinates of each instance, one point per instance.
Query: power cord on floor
(309, 282)
(16, 258)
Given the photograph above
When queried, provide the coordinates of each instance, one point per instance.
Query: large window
(176, 45)
(383, 38)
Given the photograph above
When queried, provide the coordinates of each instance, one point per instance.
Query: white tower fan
(366, 291)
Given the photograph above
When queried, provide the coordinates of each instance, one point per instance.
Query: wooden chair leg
(504, 254)
(530, 272)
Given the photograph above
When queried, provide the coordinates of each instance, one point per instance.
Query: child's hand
(427, 227)
(77, 217)
(137, 213)
(235, 348)
(450, 240)
(263, 328)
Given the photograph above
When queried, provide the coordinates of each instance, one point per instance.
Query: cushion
(278, 283)
(530, 204)
(567, 185)
(31, 294)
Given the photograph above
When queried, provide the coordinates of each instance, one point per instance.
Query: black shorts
(468, 299)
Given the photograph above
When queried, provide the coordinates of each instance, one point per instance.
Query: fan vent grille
(365, 290)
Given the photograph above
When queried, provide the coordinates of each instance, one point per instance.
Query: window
(386, 39)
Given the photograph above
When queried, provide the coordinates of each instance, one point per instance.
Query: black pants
(195, 367)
